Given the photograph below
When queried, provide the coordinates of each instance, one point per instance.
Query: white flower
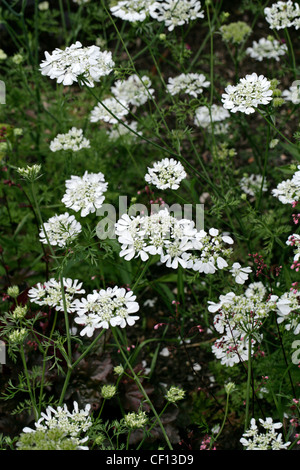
(77, 64)
(231, 348)
(236, 317)
(240, 274)
(294, 241)
(176, 12)
(288, 191)
(168, 173)
(176, 241)
(250, 92)
(50, 293)
(292, 94)
(134, 90)
(131, 10)
(110, 307)
(72, 423)
(253, 439)
(189, 83)
(282, 14)
(72, 140)
(205, 116)
(110, 110)
(85, 194)
(118, 131)
(266, 49)
(251, 184)
(60, 229)
(288, 308)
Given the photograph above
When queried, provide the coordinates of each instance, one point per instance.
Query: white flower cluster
(110, 307)
(294, 241)
(72, 423)
(288, 191)
(236, 317)
(77, 64)
(168, 173)
(50, 294)
(189, 83)
(176, 12)
(292, 94)
(204, 117)
(72, 140)
(134, 90)
(131, 10)
(251, 184)
(177, 242)
(250, 92)
(60, 230)
(283, 15)
(118, 131)
(288, 310)
(85, 193)
(269, 439)
(266, 49)
(110, 110)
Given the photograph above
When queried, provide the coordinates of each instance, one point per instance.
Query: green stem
(143, 391)
(248, 383)
(33, 401)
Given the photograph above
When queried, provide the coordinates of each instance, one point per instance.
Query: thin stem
(143, 391)
(248, 382)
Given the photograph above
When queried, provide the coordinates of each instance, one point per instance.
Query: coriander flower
(231, 348)
(134, 90)
(267, 439)
(135, 420)
(282, 14)
(77, 64)
(294, 241)
(17, 336)
(235, 32)
(106, 308)
(13, 291)
(237, 317)
(176, 12)
(73, 424)
(252, 184)
(205, 116)
(168, 173)
(30, 173)
(131, 10)
(60, 230)
(189, 83)
(288, 191)
(110, 110)
(292, 94)
(176, 241)
(250, 92)
(240, 274)
(266, 49)
(108, 391)
(85, 193)
(175, 394)
(72, 140)
(288, 308)
(118, 131)
(50, 293)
